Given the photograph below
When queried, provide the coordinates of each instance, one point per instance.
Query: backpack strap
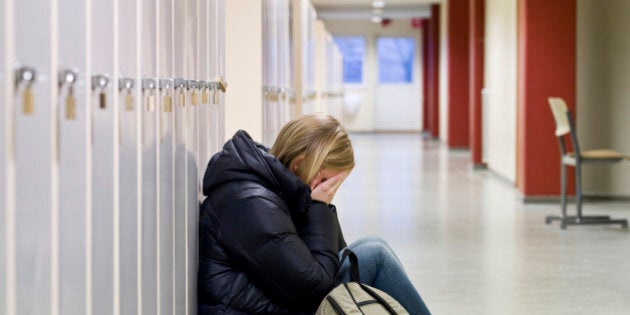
(354, 277)
(378, 298)
(354, 265)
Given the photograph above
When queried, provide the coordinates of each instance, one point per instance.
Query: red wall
(546, 61)
(458, 72)
(425, 74)
(433, 69)
(477, 24)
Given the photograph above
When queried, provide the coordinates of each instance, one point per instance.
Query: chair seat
(596, 156)
(601, 155)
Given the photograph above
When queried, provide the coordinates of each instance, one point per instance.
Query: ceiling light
(378, 4)
(376, 19)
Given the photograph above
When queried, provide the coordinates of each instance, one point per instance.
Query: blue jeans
(380, 268)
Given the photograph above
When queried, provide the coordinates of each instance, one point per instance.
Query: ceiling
(362, 9)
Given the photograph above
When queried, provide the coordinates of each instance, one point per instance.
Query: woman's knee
(374, 239)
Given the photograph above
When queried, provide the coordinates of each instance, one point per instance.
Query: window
(353, 51)
(395, 59)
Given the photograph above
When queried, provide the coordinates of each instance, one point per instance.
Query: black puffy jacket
(264, 246)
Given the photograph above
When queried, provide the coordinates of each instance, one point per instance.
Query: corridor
(468, 242)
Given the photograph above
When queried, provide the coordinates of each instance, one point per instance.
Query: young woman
(269, 238)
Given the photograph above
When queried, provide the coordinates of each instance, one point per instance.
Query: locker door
(221, 66)
(204, 77)
(33, 158)
(101, 222)
(192, 167)
(166, 215)
(181, 156)
(129, 109)
(149, 158)
(72, 115)
(284, 57)
(213, 44)
(270, 75)
(3, 153)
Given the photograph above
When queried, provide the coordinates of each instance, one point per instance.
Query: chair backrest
(559, 110)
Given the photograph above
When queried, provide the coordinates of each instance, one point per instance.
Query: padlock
(28, 101)
(204, 96)
(151, 103)
(193, 97)
(99, 83)
(24, 78)
(102, 100)
(129, 102)
(168, 103)
(71, 106)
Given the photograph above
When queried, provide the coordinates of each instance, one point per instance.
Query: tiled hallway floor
(470, 245)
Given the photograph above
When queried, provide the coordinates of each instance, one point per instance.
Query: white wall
(499, 110)
(362, 117)
(603, 78)
(243, 51)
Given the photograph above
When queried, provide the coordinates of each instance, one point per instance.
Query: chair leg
(578, 189)
(563, 198)
(579, 219)
(563, 188)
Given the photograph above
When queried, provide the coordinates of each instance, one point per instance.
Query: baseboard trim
(586, 198)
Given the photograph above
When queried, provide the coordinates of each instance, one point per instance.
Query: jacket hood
(244, 159)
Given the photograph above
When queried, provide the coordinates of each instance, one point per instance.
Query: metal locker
(204, 84)
(129, 87)
(166, 157)
(33, 158)
(73, 84)
(284, 65)
(192, 167)
(220, 51)
(3, 156)
(213, 56)
(149, 139)
(103, 160)
(181, 155)
(270, 79)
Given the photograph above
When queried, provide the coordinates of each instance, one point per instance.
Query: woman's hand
(324, 189)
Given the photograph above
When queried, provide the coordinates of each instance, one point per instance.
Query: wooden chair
(565, 126)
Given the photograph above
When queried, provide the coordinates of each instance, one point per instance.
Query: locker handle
(67, 79)
(148, 84)
(192, 85)
(99, 83)
(25, 77)
(166, 84)
(204, 86)
(126, 85)
(179, 85)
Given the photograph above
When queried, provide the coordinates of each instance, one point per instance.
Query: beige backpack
(357, 298)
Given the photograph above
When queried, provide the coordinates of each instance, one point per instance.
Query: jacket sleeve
(295, 269)
(342, 240)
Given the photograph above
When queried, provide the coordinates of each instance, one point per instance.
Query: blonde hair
(321, 142)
